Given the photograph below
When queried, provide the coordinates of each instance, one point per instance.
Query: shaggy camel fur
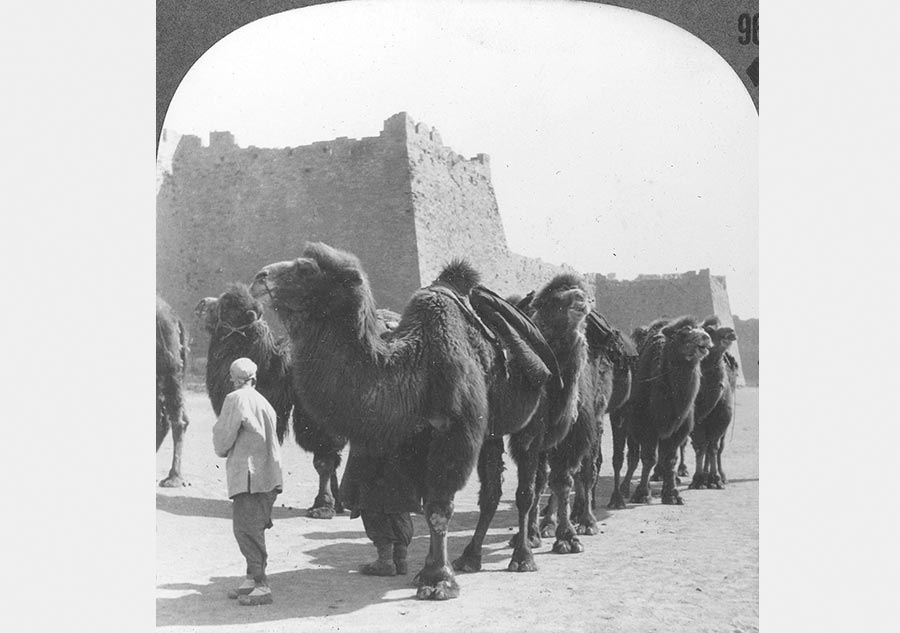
(661, 411)
(171, 363)
(237, 329)
(714, 409)
(440, 367)
(559, 311)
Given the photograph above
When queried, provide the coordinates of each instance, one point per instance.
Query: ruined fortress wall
(225, 211)
(456, 215)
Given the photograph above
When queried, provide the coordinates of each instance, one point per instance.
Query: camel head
(562, 303)
(722, 336)
(687, 339)
(237, 308)
(322, 284)
(207, 314)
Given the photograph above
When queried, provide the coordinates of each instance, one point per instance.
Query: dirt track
(652, 568)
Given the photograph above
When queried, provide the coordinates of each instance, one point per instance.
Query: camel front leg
(713, 479)
(582, 509)
(561, 484)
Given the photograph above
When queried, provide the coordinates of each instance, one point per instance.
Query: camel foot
(570, 545)
(467, 563)
(534, 540)
(625, 489)
(616, 501)
(699, 481)
(655, 477)
(672, 498)
(586, 528)
(322, 512)
(338, 507)
(714, 482)
(436, 584)
(172, 481)
(527, 564)
(548, 528)
(682, 470)
(641, 495)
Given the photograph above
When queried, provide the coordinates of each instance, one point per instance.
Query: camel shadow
(331, 587)
(213, 508)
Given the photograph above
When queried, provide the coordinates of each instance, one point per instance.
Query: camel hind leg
(177, 421)
(325, 462)
(174, 478)
(522, 557)
(582, 507)
(619, 436)
(490, 474)
(648, 448)
(452, 453)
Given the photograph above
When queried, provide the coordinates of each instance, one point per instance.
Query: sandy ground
(652, 568)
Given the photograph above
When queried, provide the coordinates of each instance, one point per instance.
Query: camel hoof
(655, 477)
(569, 546)
(322, 512)
(522, 566)
(698, 482)
(467, 564)
(338, 507)
(586, 529)
(548, 529)
(641, 496)
(714, 483)
(442, 590)
(682, 470)
(673, 499)
(172, 481)
(616, 501)
(534, 540)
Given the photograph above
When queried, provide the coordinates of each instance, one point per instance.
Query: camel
(442, 367)
(661, 410)
(559, 311)
(606, 388)
(714, 408)
(171, 363)
(237, 329)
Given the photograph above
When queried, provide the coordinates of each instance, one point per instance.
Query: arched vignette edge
(186, 29)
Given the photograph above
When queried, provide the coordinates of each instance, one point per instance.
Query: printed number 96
(749, 28)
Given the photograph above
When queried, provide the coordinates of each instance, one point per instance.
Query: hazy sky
(619, 143)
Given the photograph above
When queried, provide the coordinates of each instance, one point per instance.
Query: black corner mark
(753, 71)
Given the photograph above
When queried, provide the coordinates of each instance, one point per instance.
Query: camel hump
(504, 316)
(460, 275)
(601, 334)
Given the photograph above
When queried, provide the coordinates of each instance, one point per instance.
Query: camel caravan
(461, 374)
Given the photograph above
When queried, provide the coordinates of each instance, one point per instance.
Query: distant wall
(748, 336)
(629, 304)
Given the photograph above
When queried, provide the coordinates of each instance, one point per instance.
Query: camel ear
(349, 276)
(711, 330)
(305, 266)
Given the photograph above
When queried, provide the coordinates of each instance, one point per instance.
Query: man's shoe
(243, 589)
(259, 595)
